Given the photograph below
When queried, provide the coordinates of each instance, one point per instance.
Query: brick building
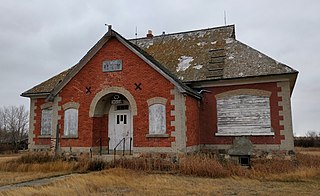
(172, 93)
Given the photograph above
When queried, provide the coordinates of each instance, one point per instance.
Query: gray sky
(39, 38)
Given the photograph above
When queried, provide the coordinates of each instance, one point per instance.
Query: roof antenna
(225, 18)
(136, 34)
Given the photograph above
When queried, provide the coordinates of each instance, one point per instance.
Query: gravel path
(37, 182)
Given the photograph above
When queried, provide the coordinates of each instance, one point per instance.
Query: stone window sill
(246, 134)
(69, 137)
(44, 136)
(157, 135)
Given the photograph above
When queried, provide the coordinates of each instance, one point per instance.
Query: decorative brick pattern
(32, 123)
(285, 116)
(155, 100)
(179, 122)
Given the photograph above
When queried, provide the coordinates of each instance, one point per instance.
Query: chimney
(149, 35)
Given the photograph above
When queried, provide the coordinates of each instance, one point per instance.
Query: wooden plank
(244, 114)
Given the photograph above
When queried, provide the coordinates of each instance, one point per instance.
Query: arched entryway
(112, 111)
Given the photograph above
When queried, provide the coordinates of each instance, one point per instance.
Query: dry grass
(302, 174)
(204, 165)
(128, 182)
(17, 177)
(20, 168)
(309, 151)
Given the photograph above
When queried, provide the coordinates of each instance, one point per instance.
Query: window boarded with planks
(244, 115)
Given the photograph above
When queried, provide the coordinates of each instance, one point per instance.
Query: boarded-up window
(71, 122)
(157, 119)
(244, 115)
(46, 122)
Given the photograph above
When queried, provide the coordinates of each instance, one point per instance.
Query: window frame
(152, 103)
(66, 129)
(157, 119)
(250, 95)
(42, 121)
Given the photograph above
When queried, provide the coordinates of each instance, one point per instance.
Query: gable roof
(64, 77)
(193, 56)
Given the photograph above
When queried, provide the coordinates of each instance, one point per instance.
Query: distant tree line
(13, 128)
(312, 139)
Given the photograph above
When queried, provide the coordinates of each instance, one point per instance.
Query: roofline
(292, 78)
(90, 54)
(34, 94)
(236, 78)
(182, 32)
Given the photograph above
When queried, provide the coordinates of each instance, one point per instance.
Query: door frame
(112, 119)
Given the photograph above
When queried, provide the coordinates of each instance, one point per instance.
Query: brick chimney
(149, 34)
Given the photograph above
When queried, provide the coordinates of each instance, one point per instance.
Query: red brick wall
(192, 114)
(37, 124)
(208, 113)
(135, 70)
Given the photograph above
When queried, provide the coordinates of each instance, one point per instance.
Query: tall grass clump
(146, 164)
(37, 162)
(36, 158)
(202, 165)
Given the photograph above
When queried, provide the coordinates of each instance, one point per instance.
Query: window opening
(122, 107)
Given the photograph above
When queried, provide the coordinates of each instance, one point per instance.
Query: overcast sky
(39, 38)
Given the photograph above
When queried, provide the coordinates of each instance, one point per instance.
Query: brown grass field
(275, 177)
(128, 182)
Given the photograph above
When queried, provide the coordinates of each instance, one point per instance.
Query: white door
(119, 128)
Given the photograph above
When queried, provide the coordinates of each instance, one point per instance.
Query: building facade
(172, 93)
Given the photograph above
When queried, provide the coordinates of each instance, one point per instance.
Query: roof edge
(111, 33)
(191, 31)
(237, 78)
(35, 94)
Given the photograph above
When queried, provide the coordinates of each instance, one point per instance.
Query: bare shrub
(96, 165)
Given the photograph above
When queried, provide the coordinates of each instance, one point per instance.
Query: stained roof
(47, 86)
(200, 55)
(209, 54)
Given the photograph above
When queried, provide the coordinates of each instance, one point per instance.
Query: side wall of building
(280, 116)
